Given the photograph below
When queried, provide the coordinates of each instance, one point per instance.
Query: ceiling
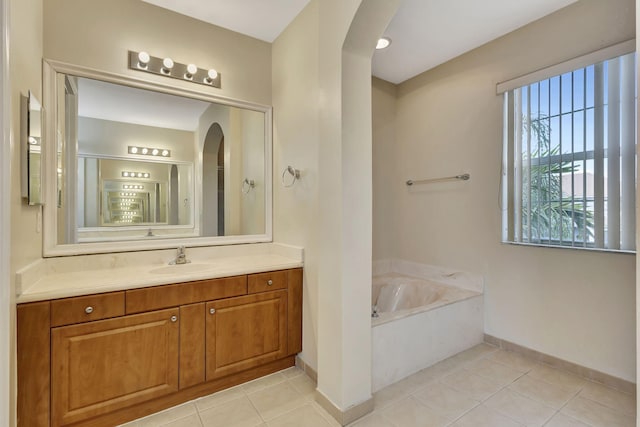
(425, 33)
(107, 101)
(261, 19)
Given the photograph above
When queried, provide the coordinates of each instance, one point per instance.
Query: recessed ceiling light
(384, 42)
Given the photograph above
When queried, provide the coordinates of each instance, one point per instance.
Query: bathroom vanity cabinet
(104, 359)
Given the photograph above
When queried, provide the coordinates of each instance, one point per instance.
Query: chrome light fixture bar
(147, 151)
(142, 61)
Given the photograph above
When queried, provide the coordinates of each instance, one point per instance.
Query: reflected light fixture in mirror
(129, 174)
(148, 151)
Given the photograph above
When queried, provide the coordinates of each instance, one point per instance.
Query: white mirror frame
(51, 248)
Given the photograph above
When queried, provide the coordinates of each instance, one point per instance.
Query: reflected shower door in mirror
(139, 165)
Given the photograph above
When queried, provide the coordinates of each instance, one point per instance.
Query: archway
(213, 182)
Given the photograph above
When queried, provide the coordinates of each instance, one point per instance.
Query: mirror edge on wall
(51, 248)
(30, 173)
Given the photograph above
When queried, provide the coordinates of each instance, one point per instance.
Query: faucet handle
(181, 250)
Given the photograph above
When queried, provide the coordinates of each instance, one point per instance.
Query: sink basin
(181, 268)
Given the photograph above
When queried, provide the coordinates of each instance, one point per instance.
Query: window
(570, 158)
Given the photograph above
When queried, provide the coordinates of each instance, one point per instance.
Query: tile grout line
(304, 400)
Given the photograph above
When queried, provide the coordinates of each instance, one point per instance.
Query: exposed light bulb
(191, 70)
(167, 65)
(165, 153)
(125, 173)
(143, 59)
(155, 152)
(133, 150)
(146, 175)
(145, 150)
(212, 74)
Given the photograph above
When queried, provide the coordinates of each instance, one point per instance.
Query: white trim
(6, 393)
(51, 248)
(570, 65)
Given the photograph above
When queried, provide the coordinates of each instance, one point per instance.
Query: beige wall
(98, 34)
(572, 304)
(25, 74)
(109, 138)
(385, 177)
(296, 131)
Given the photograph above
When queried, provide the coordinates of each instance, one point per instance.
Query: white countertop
(74, 276)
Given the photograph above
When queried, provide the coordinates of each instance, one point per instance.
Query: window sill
(542, 245)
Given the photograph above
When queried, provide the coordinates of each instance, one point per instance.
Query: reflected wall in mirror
(31, 149)
(137, 162)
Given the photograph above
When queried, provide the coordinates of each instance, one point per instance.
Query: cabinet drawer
(267, 281)
(86, 308)
(147, 299)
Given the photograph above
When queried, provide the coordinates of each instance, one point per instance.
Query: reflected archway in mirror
(213, 182)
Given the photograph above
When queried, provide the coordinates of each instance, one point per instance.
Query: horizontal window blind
(569, 163)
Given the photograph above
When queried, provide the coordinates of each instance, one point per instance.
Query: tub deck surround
(426, 314)
(396, 296)
(52, 278)
(444, 275)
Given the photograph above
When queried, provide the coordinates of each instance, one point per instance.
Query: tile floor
(483, 386)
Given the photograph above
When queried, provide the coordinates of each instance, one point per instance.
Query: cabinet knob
(174, 318)
(212, 311)
(88, 310)
(269, 282)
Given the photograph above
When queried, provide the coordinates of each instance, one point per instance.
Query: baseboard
(587, 373)
(311, 373)
(347, 416)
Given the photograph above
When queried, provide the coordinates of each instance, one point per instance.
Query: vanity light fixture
(129, 174)
(142, 61)
(148, 151)
(132, 187)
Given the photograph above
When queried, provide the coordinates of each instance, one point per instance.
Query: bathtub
(420, 321)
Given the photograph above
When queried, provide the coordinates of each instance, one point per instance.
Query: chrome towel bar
(463, 177)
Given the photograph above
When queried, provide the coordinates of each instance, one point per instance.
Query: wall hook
(295, 175)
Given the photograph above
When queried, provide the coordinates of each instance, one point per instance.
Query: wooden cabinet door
(106, 365)
(245, 332)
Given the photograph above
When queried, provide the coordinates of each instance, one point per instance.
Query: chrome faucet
(181, 257)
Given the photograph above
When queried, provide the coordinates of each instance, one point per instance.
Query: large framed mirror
(133, 165)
